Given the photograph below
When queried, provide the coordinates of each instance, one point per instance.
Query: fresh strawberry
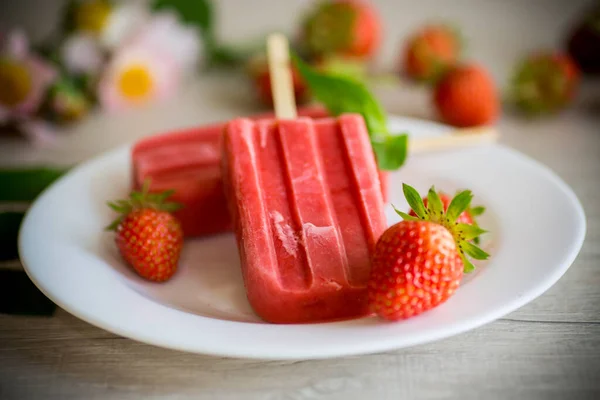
(466, 217)
(544, 83)
(418, 263)
(430, 52)
(342, 27)
(148, 237)
(259, 73)
(466, 96)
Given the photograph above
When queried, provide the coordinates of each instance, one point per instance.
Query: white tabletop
(549, 349)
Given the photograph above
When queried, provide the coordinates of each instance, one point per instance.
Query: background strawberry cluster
(125, 54)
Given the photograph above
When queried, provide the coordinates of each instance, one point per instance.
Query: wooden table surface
(548, 349)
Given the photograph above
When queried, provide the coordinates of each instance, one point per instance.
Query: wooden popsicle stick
(460, 138)
(282, 86)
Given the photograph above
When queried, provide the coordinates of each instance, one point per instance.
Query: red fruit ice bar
(188, 161)
(306, 202)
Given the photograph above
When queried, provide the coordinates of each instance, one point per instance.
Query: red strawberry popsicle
(306, 202)
(305, 199)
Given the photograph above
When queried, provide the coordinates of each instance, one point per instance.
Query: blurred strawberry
(466, 96)
(258, 69)
(342, 27)
(430, 52)
(544, 83)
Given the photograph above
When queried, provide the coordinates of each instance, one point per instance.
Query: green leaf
(391, 152)
(113, 226)
(468, 265)
(342, 94)
(194, 12)
(25, 184)
(171, 207)
(228, 56)
(434, 203)
(477, 211)
(115, 207)
(162, 197)
(404, 215)
(414, 200)
(459, 203)
(474, 251)
(469, 232)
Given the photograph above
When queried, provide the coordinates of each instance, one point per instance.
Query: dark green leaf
(434, 203)
(459, 203)
(391, 152)
(25, 184)
(193, 12)
(414, 200)
(474, 251)
(171, 207)
(234, 56)
(469, 232)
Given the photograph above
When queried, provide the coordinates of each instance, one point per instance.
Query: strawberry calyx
(463, 234)
(142, 200)
(475, 212)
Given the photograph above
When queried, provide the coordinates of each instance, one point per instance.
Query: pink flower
(24, 79)
(164, 31)
(136, 76)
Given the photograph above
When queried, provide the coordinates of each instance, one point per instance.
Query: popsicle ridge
(310, 199)
(366, 179)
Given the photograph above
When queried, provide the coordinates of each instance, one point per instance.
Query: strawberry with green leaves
(419, 262)
(430, 52)
(544, 83)
(349, 28)
(148, 236)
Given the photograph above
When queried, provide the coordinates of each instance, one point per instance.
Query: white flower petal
(124, 20)
(80, 53)
(165, 32)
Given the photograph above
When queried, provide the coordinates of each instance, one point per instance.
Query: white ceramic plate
(203, 308)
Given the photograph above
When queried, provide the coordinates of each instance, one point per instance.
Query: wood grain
(65, 357)
(548, 349)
